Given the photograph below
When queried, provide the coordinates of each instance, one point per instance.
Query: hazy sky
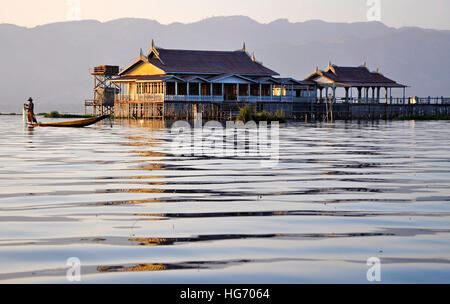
(397, 13)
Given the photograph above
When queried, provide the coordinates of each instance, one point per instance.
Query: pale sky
(396, 13)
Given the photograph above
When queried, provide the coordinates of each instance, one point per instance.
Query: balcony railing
(140, 97)
(287, 99)
(193, 98)
(275, 98)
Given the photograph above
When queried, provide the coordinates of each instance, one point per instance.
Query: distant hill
(51, 62)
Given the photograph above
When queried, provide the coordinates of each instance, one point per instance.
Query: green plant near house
(248, 113)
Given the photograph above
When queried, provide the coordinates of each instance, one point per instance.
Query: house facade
(178, 84)
(168, 82)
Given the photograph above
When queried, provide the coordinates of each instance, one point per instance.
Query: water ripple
(115, 196)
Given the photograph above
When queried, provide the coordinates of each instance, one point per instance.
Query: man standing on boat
(30, 109)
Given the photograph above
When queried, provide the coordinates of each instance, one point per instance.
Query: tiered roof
(171, 61)
(354, 77)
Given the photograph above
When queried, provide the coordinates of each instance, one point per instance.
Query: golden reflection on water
(145, 140)
(154, 124)
(153, 201)
(148, 241)
(137, 268)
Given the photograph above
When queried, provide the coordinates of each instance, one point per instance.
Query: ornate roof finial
(154, 52)
(317, 68)
(331, 67)
(378, 70)
(141, 53)
(365, 64)
(253, 57)
(244, 49)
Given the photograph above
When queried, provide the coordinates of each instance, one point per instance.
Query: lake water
(117, 198)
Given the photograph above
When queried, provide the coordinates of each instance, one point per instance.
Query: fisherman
(30, 111)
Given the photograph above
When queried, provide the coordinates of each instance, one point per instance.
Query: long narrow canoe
(71, 124)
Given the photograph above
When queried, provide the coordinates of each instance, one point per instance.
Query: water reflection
(213, 265)
(123, 202)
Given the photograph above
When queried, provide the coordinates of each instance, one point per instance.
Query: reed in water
(56, 114)
(249, 113)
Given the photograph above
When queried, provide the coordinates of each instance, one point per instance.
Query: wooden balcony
(199, 98)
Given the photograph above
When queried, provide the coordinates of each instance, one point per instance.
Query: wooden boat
(71, 124)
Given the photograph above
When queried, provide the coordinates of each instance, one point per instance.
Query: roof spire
(378, 70)
(244, 49)
(317, 68)
(331, 67)
(154, 52)
(365, 64)
(141, 53)
(253, 57)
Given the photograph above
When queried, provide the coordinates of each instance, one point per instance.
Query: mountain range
(51, 62)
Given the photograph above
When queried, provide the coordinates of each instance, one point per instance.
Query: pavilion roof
(206, 62)
(354, 76)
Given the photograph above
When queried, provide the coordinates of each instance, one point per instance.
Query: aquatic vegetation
(56, 114)
(248, 113)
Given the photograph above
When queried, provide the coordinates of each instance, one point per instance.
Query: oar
(24, 115)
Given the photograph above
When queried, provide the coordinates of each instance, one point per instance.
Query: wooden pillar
(281, 92)
(260, 92)
(237, 88)
(334, 95)
(176, 88)
(386, 95)
(346, 95)
(404, 95)
(187, 86)
(164, 90)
